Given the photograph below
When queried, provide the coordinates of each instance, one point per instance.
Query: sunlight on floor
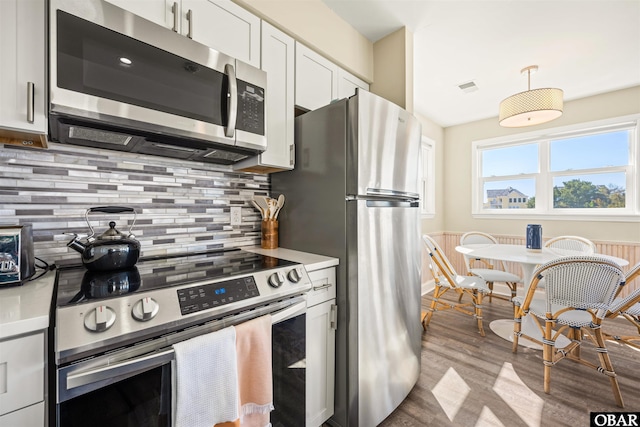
(518, 396)
(450, 392)
(488, 419)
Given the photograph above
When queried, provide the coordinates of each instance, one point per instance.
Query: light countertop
(312, 262)
(25, 308)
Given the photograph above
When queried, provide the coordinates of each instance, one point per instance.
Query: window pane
(511, 194)
(607, 190)
(510, 160)
(592, 151)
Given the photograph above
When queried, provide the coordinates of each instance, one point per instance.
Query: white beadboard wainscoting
(449, 240)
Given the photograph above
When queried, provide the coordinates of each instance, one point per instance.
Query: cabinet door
(348, 83)
(321, 335)
(223, 26)
(22, 49)
(159, 11)
(316, 79)
(21, 372)
(278, 61)
(32, 416)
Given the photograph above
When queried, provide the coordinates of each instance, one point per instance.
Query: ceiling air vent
(468, 87)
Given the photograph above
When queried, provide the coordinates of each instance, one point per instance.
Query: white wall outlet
(236, 215)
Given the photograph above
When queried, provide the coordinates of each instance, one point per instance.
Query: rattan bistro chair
(491, 271)
(579, 291)
(629, 308)
(446, 279)
(571, 245)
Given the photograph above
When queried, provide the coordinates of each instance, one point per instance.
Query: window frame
(428, 179)
(544, 176)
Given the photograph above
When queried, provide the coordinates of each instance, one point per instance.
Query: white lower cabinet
(22, 374)
(31, 416)
(321, 346)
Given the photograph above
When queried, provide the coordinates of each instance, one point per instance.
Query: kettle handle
(110, 209)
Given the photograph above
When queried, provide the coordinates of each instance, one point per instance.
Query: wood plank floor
(468, 380)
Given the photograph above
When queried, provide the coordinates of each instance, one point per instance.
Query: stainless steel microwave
(119, 81)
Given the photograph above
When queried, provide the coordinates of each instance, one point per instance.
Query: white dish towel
(206, 379)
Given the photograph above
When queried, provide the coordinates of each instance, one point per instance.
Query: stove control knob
(145, 309)
(276, 279)
(100, 318)
(295, 275)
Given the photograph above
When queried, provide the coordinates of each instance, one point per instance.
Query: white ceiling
(584, 47)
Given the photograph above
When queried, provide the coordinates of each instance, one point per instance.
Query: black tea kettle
(112, 250)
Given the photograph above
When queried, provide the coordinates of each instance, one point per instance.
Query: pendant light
(531, 107)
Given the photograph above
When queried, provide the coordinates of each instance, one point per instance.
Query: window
(428, 179)
(587, 171)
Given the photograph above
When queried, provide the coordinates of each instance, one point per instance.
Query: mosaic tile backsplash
(181, 206)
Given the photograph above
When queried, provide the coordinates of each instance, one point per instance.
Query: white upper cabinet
(316, 79)
(23, 90)
(278, 52)
(220, 24)
(348, 83)
(158, 11)
(224, 26)
(319, 81)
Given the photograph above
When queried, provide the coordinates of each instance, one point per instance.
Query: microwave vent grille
(225, 155)
(97, 135)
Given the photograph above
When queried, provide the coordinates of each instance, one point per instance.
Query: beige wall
(393, 68)
(313, 23)
(457, 171)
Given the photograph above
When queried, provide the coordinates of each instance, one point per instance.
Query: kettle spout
(77, 245)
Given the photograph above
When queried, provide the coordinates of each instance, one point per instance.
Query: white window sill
(509, 214)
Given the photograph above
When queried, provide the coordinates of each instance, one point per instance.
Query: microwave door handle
(232, 100)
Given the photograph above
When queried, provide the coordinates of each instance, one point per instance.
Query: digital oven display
(204, 297)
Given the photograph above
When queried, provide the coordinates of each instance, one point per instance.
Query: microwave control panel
(250, 108)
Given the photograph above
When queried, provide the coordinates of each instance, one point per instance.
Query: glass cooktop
(76, 284)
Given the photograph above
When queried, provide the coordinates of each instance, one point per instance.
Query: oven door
(133, 387)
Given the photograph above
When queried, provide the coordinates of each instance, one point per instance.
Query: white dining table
(528, 260)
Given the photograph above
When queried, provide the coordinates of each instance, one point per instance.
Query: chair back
(571, 245)
(478, 237)
(440, 265)
(581, 282)
(622, 304)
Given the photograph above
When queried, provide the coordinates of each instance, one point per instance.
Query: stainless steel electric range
(114, 331)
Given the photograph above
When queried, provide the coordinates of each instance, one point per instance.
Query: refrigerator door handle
(391, 193)
(393, 204)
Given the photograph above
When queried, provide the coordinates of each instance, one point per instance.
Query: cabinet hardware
(190, 20)
(30, 101)
(334, 317)
(176, 16)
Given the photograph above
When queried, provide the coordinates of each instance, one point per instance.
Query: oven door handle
(146, 362)
(139, 364)
(289, 312)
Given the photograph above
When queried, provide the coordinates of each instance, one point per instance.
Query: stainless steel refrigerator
(354, 195)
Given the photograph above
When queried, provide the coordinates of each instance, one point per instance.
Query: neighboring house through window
(584, 171)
